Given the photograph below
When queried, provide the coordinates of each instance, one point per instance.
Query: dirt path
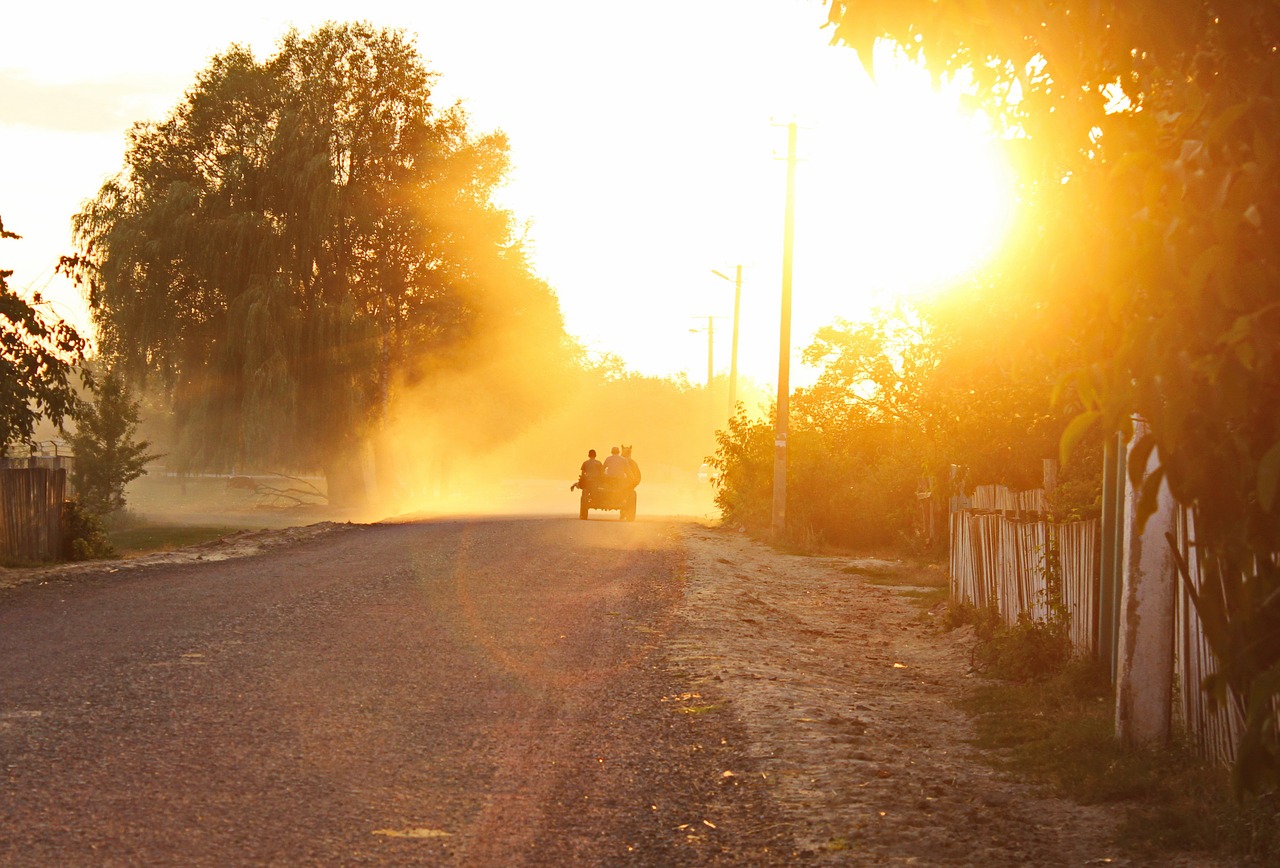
(848, 702)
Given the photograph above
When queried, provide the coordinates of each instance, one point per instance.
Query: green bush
(108, 457)
(853, 487)
(82, 536)
(1030, 650)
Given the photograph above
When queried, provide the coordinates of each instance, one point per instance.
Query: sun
(915, 193)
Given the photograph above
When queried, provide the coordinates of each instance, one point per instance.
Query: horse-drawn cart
(607, 492)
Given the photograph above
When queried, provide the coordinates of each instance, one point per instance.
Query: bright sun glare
(914, 193)
(651, 176)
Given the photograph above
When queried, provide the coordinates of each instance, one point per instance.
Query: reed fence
(1000, 562)
(1215, 729)
(31, 512)
(998, 498)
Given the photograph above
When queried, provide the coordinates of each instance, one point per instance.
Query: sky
(646, 144)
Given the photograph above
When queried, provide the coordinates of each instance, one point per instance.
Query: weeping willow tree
(296, 240)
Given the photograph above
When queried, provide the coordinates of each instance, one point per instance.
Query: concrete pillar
(1144, 673)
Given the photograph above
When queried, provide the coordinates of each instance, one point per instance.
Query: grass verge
(150, 538)
(1059, 731)
(922, 582)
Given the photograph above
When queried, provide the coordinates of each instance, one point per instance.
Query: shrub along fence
(31, 512)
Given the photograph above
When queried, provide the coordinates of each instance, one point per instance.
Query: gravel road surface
(478, 693)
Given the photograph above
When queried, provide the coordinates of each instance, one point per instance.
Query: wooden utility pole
(733, 358)
(784, 346)
(711, 346)
(737, 318)
(711, 351)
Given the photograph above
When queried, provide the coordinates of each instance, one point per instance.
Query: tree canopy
(38, 357)
(302, 241)
(1147, 137)
(901, 396)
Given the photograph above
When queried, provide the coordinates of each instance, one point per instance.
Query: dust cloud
(464, 445)
(503, 437)
(492, 411)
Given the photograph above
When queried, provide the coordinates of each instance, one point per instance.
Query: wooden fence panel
(1214, 728)
(998, 498)
(46, 462)
(31, 512)
(998, 561)
(1078, 549)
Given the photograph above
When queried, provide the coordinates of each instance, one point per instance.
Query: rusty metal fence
(31, 512)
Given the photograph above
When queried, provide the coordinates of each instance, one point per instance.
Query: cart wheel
(582, 507)
(629, 510)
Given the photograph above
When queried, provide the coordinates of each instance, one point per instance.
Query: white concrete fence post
(1144, 672)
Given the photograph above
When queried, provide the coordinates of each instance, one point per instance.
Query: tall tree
(296, 241)
(38, 358)
(1148, 135)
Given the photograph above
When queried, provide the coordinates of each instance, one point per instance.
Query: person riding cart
(610, 485)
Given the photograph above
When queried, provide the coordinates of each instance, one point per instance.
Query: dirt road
(535, 692)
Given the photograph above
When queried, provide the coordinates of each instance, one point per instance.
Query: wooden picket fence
(31, 512)
(998, 498)
(998, 561)
(1215, 729)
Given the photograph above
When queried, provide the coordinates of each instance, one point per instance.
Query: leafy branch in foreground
(38, 355)
(1145, 134)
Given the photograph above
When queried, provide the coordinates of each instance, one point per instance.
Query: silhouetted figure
(614, 488)
(616, 465)
(591, 470)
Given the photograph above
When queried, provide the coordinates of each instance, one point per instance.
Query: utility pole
(784, 347)
(711, 346)
(711, 350)
(737, 315)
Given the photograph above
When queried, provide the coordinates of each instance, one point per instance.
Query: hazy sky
(642, 135)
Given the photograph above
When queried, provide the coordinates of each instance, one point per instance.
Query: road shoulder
(848, 698)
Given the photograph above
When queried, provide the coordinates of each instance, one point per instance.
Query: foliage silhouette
(1146, 135)
(38, 356)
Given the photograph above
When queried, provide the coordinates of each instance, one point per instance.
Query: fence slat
(999, 561)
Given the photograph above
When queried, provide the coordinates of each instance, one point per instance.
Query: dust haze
(497, 433)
